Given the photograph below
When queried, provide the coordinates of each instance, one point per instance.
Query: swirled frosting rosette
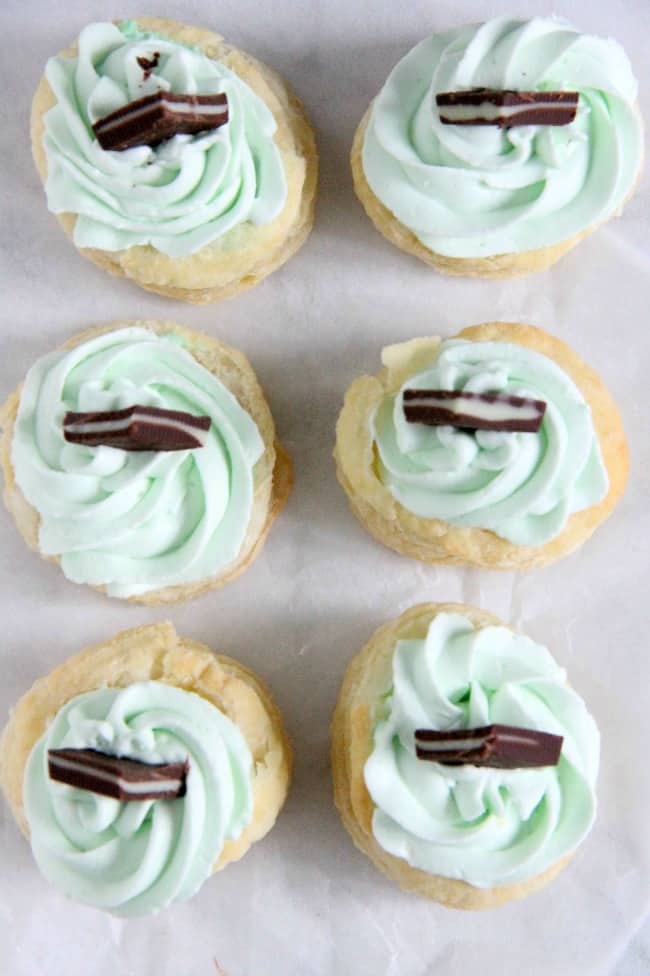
(522, 486)
(499, 448)
(177, 196)
(134, 858)
(135, 522)
(485, 826)
(472, 192)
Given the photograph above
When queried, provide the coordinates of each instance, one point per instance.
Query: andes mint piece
(485, 106)
(137, 429)
(122, 779)
(498, 746)
(473, 411)
(149, 120)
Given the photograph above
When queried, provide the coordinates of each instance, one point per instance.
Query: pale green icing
(135, 858)
(180, 195)
(522, 486)
(474, 191)
(134, 521)
(485, 826)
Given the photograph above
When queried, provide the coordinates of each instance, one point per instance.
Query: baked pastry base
(435, 541)
(366, 680)
(157, 653)
(246, 254)
(273, 472)
(495, 266)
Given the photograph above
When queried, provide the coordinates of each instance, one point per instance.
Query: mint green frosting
(522, 486)
(475, 191)
(487, 827)
(180, 195)
(134, 521)
(135, 858)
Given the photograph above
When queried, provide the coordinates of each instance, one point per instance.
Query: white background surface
(304, 902)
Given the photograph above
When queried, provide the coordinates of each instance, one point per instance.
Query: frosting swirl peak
(135, 858)
(134, 522)
(471, 192)
(485, 826)
(522, 486)
(180, 195)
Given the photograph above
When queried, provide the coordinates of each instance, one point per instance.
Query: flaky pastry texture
(436, 541)
(157, 653)
(366, 681)
(273, 475)
(246, 254)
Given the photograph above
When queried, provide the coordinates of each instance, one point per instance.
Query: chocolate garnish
(137, 428)
(148, 64)
(123, 779)
(473, 411)
(497, 746)
(148, 121)
(486, 106)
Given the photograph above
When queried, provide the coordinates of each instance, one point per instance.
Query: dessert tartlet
(469, 160)
(205, 181)
(504, 812)
(142, 458)
(140, 766)
(444, 486)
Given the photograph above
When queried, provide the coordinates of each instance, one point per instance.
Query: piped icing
(481, 825)
(180, 195)
(134, 858)
(134, 521)
(522, 486)
(476, 191)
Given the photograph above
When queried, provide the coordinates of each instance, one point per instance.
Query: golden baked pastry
(479, 192)
(171, 532)
(145, 660)
(198, 231)
(506, 500)
(466, 836)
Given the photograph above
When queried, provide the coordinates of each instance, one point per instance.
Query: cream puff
(464, 765)
(173, 159)
(155, 520)
(469, 160)
(470, 488)
(142, 765)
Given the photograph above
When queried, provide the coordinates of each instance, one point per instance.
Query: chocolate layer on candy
(473, 411)
(137, 429)
(505, 108)
(122, 779)
(149, 120)
(498, 746)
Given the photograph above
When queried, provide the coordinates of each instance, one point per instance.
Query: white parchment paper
(304, 901)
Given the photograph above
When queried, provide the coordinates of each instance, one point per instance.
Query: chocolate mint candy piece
(473, 411)
(498, 746)
(149, 120)
(137, 429)
(485, 106)
(122, 779)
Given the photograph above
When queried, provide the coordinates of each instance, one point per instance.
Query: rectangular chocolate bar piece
(497, 746)
(137, 428)
(473, 411)
(123, 779)
(507, 108)
(148, 121)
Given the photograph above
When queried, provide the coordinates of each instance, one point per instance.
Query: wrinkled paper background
(304, 901)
